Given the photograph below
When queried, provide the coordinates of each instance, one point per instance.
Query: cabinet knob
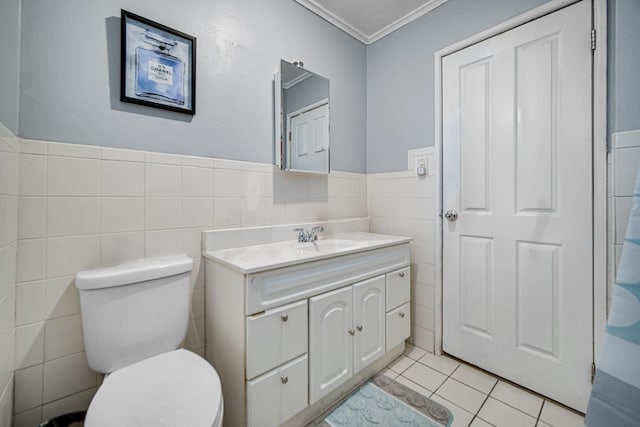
(360, 328)
(352, 332)
(284, 379)
(401, 314)
(284, 317)
(401, 274)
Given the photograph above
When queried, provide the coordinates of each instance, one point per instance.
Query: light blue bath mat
(385, 402)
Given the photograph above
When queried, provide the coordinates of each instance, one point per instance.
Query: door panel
(517, 276)
(331, 344)
(369, 318)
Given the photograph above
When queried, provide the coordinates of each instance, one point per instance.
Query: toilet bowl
(178, 388)
(134, 317)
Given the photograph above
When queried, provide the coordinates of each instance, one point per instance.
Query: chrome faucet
(308, 236)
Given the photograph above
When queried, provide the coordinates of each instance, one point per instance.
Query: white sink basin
(273, 255)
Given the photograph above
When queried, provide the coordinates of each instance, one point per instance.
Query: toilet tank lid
(133, 272)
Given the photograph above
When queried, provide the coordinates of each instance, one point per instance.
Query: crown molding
(345, 26)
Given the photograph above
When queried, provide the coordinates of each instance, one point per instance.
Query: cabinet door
(331, 342)
(369, 321)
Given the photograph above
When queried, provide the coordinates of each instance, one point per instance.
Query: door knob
(451, 215)
(284, 317)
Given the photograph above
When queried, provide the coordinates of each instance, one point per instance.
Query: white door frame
(599, 156)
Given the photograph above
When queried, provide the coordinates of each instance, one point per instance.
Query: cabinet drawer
(398, 287)
(276, 336)
(398, 325)
(278, 395)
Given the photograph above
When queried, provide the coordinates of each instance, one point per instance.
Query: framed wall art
(157, 65)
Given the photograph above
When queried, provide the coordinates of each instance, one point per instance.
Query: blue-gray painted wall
(400, 76)
(9, 63)
(623, 65)
(70, 77)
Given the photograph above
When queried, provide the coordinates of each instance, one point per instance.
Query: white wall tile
(197, 182)
(163, 158)
(69, 216)
(30, 146)
(627, 161)
(63, 337)
(622, 209)
(192, 242)
(197, 212)
(626, 139)
(73, 150)
(200, 162)
(76, 402)
(163, 213)
(226, 212)
(32, 179)
(29, 418)
(252, 212)
(228, 183)
(122, 178)
(30, 302)
(31, 260)
(29, 345)
(121, 247)
(7, 306)
(28, 388)
(120, 214)
(32, 217)
(162, 242)
(122, 155)
(69, 255)
(66, 376)
(61, 297)
(68, 176)
(163, 180)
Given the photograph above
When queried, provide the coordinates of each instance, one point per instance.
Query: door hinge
(593, 372)
(289, 136)
(593, 39)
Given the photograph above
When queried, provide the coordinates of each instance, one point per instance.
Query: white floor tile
(542, 424)
(475, 378)
(389, 373)
(461, 418)
(558, 416)
(413, 386)
(518, 398)
(401, 364)
(413, 352)
(477, 422)
(444, 364)
(424, 376)
(462, 395)
(503, 415)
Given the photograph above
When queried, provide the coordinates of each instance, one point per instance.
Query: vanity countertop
(256, 258)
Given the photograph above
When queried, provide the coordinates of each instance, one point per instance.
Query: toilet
(134, 318)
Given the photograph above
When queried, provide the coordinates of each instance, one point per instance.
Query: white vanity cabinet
(288, 341)
(347, 333)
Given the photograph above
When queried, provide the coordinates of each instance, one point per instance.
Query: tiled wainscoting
(624, 161)
(84, 207)
(404, 204)
(8, 236)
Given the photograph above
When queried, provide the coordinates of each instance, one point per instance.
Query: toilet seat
(178, 388)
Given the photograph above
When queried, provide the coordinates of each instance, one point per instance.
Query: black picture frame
(157, 65)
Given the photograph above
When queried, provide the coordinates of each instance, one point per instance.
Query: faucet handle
(299, 229)
(317, 228)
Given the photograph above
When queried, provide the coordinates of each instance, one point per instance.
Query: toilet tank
(134, 311)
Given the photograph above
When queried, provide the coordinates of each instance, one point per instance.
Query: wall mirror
(301, 125)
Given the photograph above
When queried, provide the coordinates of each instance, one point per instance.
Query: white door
(369, 320)
(309, 139)
(517, 262)
(331, 342)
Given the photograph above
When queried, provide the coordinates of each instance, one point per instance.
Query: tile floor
(474, 397)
